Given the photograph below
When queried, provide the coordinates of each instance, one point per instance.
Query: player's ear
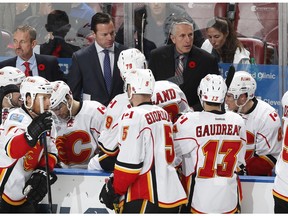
(69, 98)
(28, 99)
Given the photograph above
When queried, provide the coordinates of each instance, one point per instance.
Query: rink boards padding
(77, 191)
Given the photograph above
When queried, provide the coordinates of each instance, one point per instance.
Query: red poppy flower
(192, 64)
(41, 67)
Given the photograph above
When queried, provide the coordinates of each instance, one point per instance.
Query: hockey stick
(43, 141)
(142, 32)
(230, 76)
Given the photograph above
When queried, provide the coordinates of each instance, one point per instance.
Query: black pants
(24, 208)
(280, 206)
(144, 206)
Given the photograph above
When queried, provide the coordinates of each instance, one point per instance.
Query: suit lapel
(116, 73)
(14, 60)
(169, 66)
(41, 66)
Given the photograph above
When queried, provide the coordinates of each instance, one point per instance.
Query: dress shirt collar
(32, 60)
(177, 54)
(100, 49)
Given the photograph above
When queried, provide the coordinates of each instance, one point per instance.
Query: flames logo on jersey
(72, 147)
(31, 158)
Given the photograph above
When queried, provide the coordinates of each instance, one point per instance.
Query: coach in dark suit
(24, 39)
(196, 63)
(86, 76)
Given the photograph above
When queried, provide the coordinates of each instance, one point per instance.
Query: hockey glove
(39, 125)
(35, 188)
(107, 195)
(241, 170)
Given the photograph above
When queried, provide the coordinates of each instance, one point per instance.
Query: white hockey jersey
(108, 137)
(5, 112)
(280, 187)
(143, 168)
(215, 145)
(77, 139)
(166, 95)
(18, 159)
(170, 97)
(264, 132)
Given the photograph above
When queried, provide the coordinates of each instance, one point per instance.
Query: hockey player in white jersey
(212, 143)
(10, 80)
(166, 95)
(263, 124)
(170, 97)
(78, 126)
(280, 187)
(23, 165)
(143, 174)
(128, 60)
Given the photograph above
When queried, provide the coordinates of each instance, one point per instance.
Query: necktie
(107, 70)
(27, 70)
(57, 50)
(178, 78)
(179, 69)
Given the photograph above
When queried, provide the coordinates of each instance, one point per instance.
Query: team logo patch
(16, 117)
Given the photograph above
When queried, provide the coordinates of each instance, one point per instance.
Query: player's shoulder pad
(90, 105)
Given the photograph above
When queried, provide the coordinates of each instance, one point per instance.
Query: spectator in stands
(58, 24)
(39, 19)
(23, 10)
(263, 125)
(182, 62)
(152, 24)
(280, 188)
(222, 42)
(156, 15)
(140, 42)
(24, 39)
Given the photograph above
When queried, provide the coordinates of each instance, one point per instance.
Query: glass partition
(261, 27)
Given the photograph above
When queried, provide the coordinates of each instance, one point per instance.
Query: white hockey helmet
(284, 102)
(212, 88)
(130, 59)
(60, 90)
(242, 83)
(34, 85)
(11, 75)
(141, 81)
